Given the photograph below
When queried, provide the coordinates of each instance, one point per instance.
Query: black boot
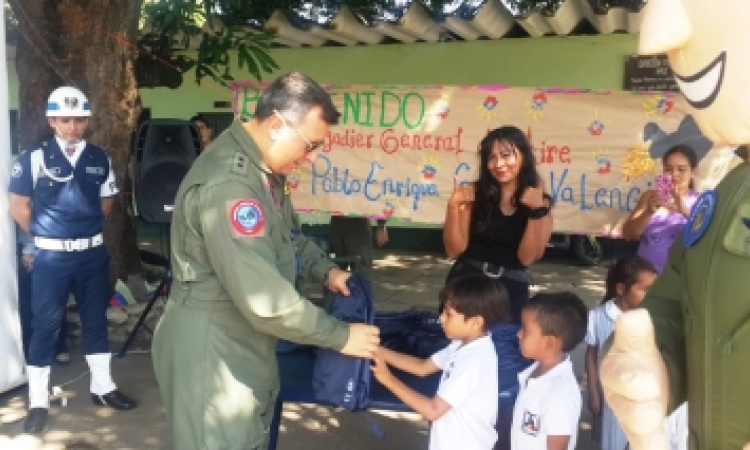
(114, 399)
(36, 420)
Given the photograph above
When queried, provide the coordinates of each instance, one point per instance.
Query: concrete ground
(401, 280)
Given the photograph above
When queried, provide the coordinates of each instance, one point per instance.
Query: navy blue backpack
(339, 379)
(414, 333)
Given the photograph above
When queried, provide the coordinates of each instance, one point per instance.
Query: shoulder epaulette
(239, 164)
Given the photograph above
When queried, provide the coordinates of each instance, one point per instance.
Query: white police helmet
(68, 101)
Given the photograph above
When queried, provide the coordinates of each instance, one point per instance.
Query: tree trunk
(88, 44)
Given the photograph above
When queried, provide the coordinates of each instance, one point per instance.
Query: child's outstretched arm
(413, 365)
(430, 408)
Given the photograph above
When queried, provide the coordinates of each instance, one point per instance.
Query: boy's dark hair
(626, 271)
(293, 95)
(562, 315)
(476, 295)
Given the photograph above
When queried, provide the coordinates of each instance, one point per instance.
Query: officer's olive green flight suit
(700, 306)
(233, 262)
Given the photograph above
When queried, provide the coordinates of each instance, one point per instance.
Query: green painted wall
(589, 62)
(581, 61)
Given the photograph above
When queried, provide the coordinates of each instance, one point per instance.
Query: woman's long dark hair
(488, 191)
(688, 153)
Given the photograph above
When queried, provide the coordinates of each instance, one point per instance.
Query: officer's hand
(336, 281)
(635, 381)
(363, 340)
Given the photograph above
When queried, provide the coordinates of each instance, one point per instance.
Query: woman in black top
(498, 226)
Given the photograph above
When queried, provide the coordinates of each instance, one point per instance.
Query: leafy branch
(172, 26)
(229, 33)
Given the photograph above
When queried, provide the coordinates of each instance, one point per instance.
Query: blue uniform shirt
(65, 191)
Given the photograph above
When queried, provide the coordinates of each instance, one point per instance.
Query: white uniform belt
(68, 245)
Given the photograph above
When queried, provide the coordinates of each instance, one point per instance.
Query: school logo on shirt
(531, 423)
(17, 170)
(246, 218)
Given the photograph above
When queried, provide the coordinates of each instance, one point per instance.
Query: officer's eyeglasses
(311, 146)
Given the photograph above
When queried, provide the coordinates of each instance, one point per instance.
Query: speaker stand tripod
(162, 289)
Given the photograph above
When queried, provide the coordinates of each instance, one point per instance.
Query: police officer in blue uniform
(61, 190)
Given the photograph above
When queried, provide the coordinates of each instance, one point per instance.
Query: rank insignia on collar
(700, 218)
(239, 164)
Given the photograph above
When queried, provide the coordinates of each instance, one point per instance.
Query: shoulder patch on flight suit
(700, 218)
(240, 164)
(245, 218)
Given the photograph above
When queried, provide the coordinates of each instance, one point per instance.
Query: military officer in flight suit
(233, 262)
(61, 191)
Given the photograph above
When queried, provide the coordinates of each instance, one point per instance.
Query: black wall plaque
(648, 73)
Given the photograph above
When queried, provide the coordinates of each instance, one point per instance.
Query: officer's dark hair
(476, 295)
(688, 153)
(293, 95)
(562, 315)
(626, 271)
(199, 118)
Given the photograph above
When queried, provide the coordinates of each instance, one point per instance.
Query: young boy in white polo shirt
(464, 410)
(546, 413)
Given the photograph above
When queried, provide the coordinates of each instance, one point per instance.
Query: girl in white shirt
(627, 283)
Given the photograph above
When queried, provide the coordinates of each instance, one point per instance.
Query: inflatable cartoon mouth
(701, 89)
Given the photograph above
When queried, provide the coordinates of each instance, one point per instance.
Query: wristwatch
(538, 213)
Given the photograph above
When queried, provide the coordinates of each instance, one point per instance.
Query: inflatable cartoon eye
(706, 43)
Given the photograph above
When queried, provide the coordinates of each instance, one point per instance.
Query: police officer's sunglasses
(311, 146)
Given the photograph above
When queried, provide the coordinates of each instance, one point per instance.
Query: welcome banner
(398, 149)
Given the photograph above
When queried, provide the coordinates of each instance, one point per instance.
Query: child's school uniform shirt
(546, 406)
(469, 385)
(601, 324)
(600, 328)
